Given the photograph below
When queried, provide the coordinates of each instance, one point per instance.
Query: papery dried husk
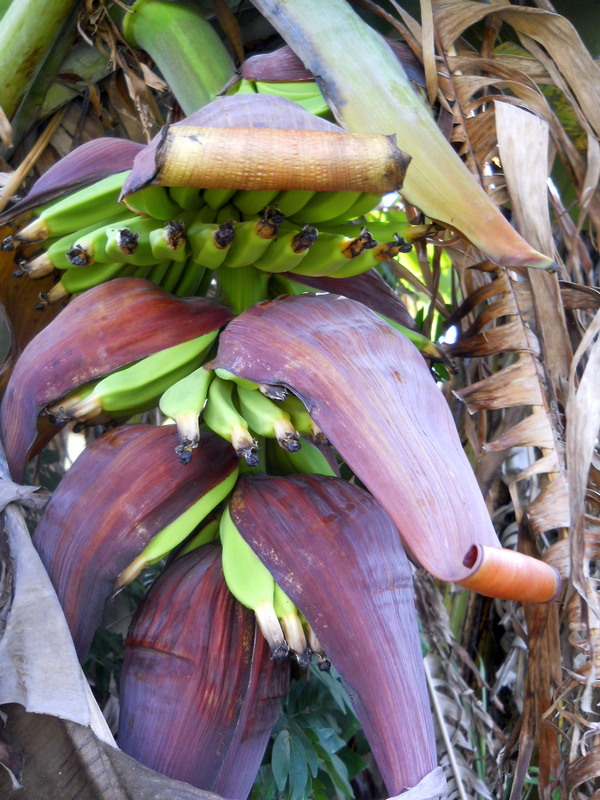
(199, 690)
(105, 328)
(121, 491)
(248, 112)
(369, 390)
(268, 158)
(336, 553)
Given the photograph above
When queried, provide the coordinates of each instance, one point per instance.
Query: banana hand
(251, 583)
(175, 533)
(140, 385)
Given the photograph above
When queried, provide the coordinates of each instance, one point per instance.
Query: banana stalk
(185, 47)
(129, 484)
(346, 53)
(371, 393)
(29, 29)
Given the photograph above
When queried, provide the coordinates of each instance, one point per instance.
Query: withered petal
(337, 554)
(234, 111)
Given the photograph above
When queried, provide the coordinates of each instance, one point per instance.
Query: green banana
(153, 201)
(207, 533)
(216, 198)
(332, 251)
(60, 412)
(267, 418)
(251, 202)
(183, 402)
(141, 384)
(173, 275)
(191, 279)
(252, 238)
(364, 203)
(301, 419)
(205, 214)
(291, 623)
(326, 206)
(287, 250)
(178, 530)
(306, 93)
(157, 273)
(292, 201)
(241, 288)
(228, 213)
(169, 242)
(383, 251)
(251, 583)
(210, 242)
(309, 460)
(316, 648)
(77, 249)
(130, 242)
(185, 47)
(221, 415)
(88, 206)
(189, 199)
(226, 375)
(76, 280)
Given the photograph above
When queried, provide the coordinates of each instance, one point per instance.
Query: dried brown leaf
(515, 385)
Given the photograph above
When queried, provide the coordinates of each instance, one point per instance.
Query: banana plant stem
(27, 34)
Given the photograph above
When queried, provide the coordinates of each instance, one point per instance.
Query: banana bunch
(136, 387)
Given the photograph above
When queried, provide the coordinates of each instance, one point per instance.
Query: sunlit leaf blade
(121, 491)
(86, 164)
(337, 554)
(108, 326)
(371, 393)
(200, 692)
(345, 53)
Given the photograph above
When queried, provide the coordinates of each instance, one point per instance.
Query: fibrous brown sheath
(121, 491)
(369, 390)
(255, 158)
(263, 142)
(105, 328)
(336, 553)
(199, 690)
